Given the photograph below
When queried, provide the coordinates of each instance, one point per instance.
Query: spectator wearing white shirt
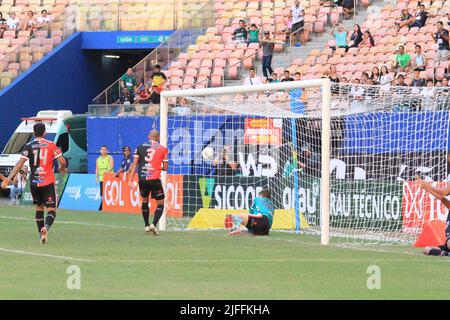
(298, 22)
(13, 22)
(252, 79)
(44, 22)
(356, 95)
(385, 80)
(428, 96)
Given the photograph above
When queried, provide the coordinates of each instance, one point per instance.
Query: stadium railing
(193, 25)
(362, 99)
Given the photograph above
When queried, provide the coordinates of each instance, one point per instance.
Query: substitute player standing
(151, 158)
(41, 153)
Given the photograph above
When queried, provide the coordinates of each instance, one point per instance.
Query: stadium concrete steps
(319, 41)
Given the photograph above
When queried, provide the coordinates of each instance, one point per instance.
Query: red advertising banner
(119, 196)
(420, 207)
(263, 131)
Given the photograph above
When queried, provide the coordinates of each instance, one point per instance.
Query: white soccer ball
(208, 154)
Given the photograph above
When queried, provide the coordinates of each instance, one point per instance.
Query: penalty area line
(44, 255)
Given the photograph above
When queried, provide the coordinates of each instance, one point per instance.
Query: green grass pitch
(119, 261)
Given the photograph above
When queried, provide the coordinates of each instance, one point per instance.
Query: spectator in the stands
(420, 17)
(417, 81)
(182, 108)
(402, 60)
(375, 75)
(333, 75)
(253, 34)
(240, 35)
(356, 37)
(143, 93)
(419, 60)
(126, 98)
(158, 78)
(297, 14)
(3, 25)
(129, 81)
(268, 48)
(44, 22)
(441, 37)
(29, 24)
(340, 35)
(347, 6)
(287, 76)
(13, 22)
(385, 79)
(252, 79)
(428, 95)
(405, 19)
(356, 95)
(365, 78)
(273, 78)
(443, 95)
(367, 40)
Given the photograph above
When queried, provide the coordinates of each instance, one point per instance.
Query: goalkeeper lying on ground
(439, 194)
(260, 219)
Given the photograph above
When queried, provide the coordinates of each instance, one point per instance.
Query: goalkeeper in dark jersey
(260, 219)
(444, 249)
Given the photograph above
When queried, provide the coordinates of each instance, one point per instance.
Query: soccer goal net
(339, 160)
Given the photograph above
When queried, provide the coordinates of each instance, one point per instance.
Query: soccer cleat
(147, 229)
(154, 230)
(235, 232)
(44, 234)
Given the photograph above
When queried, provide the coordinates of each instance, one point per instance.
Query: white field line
(300, 241)
(74, 223)
(45, 255)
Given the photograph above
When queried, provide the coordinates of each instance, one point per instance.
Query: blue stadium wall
(65, 79)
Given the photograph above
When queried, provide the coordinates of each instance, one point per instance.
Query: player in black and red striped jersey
(150, 159)
(41, 154)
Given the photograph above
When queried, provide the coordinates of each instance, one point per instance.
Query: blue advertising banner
(387, 132)
(82, 193)
(188, 135)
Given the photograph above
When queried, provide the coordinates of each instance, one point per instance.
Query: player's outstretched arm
(13, 173)
(62, 165)
(133, 169)
(439, 193)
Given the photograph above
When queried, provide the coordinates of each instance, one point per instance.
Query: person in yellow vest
(104, 164)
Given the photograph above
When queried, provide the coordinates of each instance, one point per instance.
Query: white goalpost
(340, 160)
(325, 87)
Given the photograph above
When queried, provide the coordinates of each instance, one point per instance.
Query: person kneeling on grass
(443, 250)
(260, 219)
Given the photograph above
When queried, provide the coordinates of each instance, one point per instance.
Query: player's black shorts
(297, 26)
(259, 226)
(44, 196)
(445, 247)
(151, 186)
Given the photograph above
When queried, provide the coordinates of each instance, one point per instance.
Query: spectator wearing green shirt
(253, 34)
(402, 60)
(129, 81)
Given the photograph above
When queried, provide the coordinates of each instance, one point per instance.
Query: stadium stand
(387, 38)
(19, 49)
